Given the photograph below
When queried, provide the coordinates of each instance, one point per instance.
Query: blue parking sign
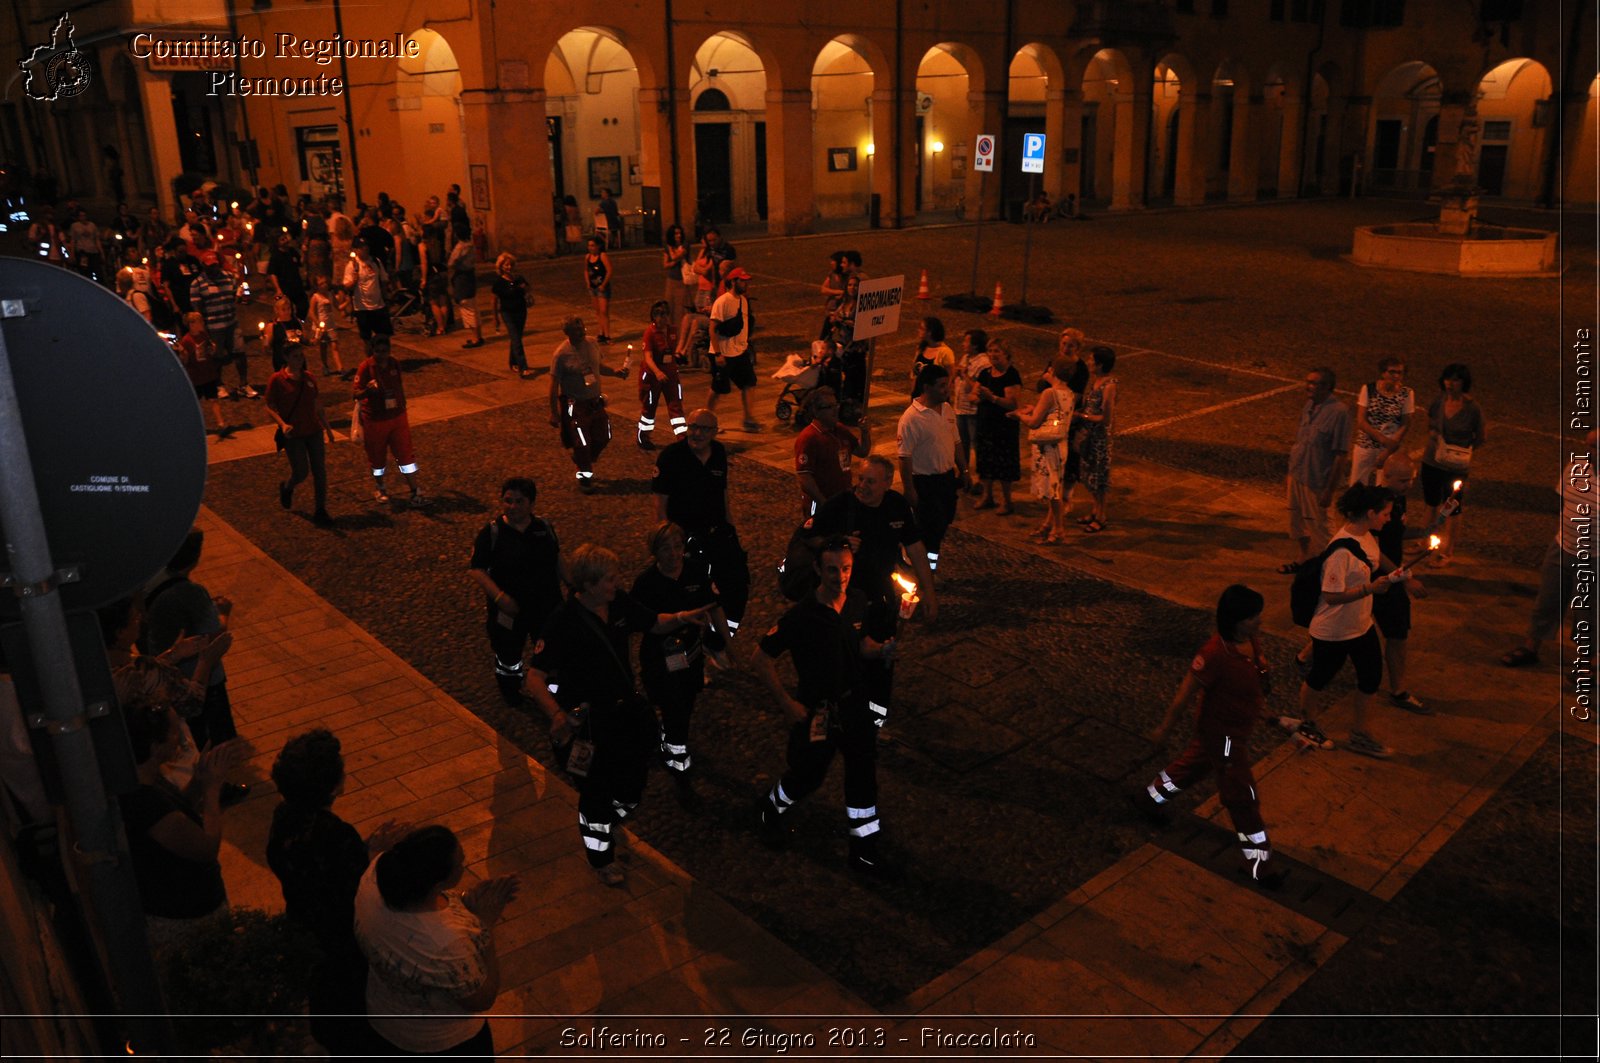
(1033, 153)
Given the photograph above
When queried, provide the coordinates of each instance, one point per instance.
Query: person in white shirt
(430, 950)
(1352, 572)
(930, 459)
(732, 364)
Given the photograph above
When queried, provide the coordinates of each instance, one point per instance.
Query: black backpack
(797, 572)
(1307, 586)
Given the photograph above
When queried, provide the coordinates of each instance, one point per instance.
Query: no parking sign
(983, 156)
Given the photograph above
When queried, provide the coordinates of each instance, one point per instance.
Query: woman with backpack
(1349, 573)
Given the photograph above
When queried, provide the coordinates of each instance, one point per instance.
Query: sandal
(1520, 657)
(1004, 511)
(987, 503)
(1086, 521)
(1289, 568)
(1094, 526)
(1052, 539)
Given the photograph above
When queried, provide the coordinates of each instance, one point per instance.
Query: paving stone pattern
(1016, 727)
(1526, 875)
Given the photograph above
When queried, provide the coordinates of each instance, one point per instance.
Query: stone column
(1452, 110)
(655, 153)
(1063, 123)
(1348, 135)
(987, 117)
(161, 127)
(1244, 168)
(506, 131)
(1290, 146)
(1189, 183)
(1133, 143)
(791, 183)
(895, 119)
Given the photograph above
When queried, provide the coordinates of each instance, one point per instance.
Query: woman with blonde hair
(511, 301)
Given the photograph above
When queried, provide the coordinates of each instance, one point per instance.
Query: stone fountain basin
(1488, 251)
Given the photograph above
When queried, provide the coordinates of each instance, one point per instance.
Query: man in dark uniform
(881, 528)
(602, 730)
(691, 488)
(516, 561)
(829, 635)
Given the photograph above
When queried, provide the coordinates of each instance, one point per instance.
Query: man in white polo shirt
(930, 461)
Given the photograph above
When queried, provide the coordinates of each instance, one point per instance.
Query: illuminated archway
(428, 104)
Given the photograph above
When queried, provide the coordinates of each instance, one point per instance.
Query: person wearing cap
(732, 362)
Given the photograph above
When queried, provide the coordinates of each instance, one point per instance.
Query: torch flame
(908, 586)
(1456, 486)
(1433, 542)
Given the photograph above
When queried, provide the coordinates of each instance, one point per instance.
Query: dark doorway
(1386, 144)
(1087, 153)
(558, 171)
(1013, 182)
(712, 171)
(1492, 168)
(761, 170)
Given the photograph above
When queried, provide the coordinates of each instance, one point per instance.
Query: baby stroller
(802, 373)
(407, 308)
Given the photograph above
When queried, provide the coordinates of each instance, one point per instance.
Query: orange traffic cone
(922, 288)
(994, 311)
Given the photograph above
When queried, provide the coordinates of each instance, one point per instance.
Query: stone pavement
(1165, 952)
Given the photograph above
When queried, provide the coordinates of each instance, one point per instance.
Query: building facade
(735, 112)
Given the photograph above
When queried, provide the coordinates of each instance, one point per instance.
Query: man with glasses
(1383, 413)
(823, 449)
(691, 489)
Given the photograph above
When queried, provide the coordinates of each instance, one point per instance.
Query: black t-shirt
(1391, 537)
(697, 492)
(284, 266)
(825, 645)
(572, 655)
(997, 383)
(526, 565)
(513, 295)
(319, 860)
(169, 885)
(660, 593)
(884, 529)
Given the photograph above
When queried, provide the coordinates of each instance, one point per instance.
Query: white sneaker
(223, 392)
(250, 392)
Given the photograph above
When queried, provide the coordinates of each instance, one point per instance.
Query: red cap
(736, 274)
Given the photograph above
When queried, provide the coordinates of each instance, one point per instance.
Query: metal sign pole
(977, 240)
(1027, 230)
(96, 823)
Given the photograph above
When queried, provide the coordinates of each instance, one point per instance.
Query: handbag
(686, 271)
(1054, 430)
(1451, 456)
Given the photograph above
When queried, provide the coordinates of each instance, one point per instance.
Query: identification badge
(590, 380)
(505, 620)
(819, 726)
(581, 759)
(844, 460)
(678, 662)
(389, 403)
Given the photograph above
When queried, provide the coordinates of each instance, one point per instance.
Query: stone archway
(1403, 129)
(843, 80)
(591, 105)
(1115, 130)
(1039, 100)
(430, 122)
(729, 144)
(1515, 124)
(949, 109)
(1235, 117)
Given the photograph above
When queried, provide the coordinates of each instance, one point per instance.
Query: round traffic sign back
(114, 432)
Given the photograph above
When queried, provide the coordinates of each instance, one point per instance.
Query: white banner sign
(878, 307)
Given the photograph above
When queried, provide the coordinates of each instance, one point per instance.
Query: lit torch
(1434, 543)
(908, 596)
